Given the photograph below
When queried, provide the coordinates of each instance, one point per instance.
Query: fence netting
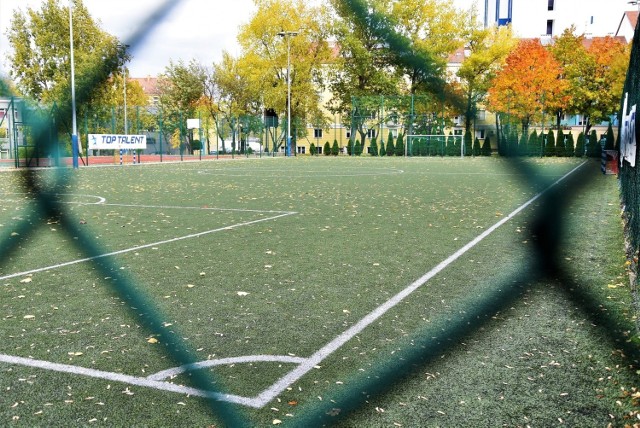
(544, 264)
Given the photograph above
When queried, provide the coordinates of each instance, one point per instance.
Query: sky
(202, 29)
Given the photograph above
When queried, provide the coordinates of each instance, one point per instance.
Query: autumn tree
(279, 28)
(487, 49)
(40, 61)
(528, 84)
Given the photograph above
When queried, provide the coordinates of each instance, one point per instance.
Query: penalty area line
(141, 247)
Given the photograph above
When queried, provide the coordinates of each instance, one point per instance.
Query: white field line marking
(274, 390)
(225, 361)
(140, 247)
(197, 208)
(119, 377)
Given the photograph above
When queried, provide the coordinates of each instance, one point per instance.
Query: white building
(548, 18)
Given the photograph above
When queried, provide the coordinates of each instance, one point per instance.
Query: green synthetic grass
(359, 231)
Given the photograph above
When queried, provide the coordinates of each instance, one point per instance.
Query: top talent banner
(117, 141)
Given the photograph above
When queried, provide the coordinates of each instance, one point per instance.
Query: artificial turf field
(301, 286)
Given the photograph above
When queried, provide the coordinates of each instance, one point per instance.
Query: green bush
(334, 149)
(374, 147)
(399, 149)
(593, 149)
(468, 148)
(560, 146)
(358, 148)
(534, 144)
(569, 148)
(610, 140)
(476, 147)
(579, 152)
(326, 149)
(196, 145)
(523, 145)
(486, 147)
(383, 151)
(550, 146)
(312, 149)
(390, 149)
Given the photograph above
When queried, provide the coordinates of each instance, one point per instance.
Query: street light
(287, 35)
(75, 149)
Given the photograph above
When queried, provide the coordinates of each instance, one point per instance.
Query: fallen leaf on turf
(190, 285)
(277, 422)
(29, 317)
(74, 354)
(202, 274)
(242, 293)
(152, 340)
(25, 280)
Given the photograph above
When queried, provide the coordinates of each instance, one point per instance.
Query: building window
(319, 149)
(549, 27)
(457, 132)
(301, 150)
(481, 115)
(348, 134)
(317, 133)
(550, 5)
(371, 133)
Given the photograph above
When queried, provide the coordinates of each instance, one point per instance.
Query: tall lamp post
(287, 35)
(75, 149)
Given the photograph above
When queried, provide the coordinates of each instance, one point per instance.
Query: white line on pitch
(119, 377)
(270, 393)
(195, 208)
(140, 247)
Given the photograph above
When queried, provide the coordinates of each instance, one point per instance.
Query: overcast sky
(202, 29)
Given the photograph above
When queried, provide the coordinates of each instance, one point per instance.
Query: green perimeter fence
(543, 265)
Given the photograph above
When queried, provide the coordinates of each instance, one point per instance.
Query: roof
(631, 16)
(149, 84)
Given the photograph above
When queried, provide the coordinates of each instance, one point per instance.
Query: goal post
(434, 145)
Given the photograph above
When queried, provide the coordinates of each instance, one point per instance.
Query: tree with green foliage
(399, 149)
(550, 146)
(383, 151)
(390, 149)
(486, 147)
(40, 66)
(335, 150)
(579, 152)
(373, 148)
(326, 149)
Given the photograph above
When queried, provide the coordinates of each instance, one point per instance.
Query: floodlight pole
(287, 35)
(75, 150)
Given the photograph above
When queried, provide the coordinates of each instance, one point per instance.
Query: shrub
(579, 152)
(486, 147)
(476, 147)
(334, 149)
(390, 149)
(523, 145)
(374, 147)
(326, 149)
(400, 145)
(312, 149)
(534, 144)
(593, 149)
(358, 148)
(569, 148)
(383, 151)
(560, 145)
(550, 146)
(610, 140)
(468, 149)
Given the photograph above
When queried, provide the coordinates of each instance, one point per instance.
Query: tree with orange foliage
(597, 88)
(529, 84)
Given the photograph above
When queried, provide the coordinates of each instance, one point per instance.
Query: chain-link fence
(543, 262)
